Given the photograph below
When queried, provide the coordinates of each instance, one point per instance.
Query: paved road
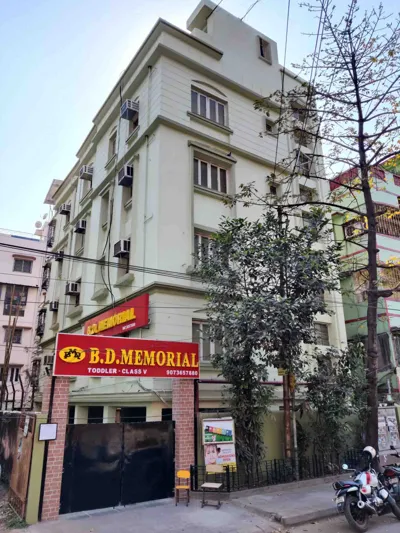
(384, 524)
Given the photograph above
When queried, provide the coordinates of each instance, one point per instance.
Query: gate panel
(148, 466)
(92, 467)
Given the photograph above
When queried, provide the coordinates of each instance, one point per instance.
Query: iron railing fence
(275, 471)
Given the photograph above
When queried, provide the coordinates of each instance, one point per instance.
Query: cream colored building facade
(193, 136)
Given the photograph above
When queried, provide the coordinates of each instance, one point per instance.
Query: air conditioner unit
(80, 226)
(129, 110)
(65, 209)
(125, 176)
(86, 172)
(54, 306)
(122, 248)
(72, 289)
(354, 229)
(59, 256)
(48, 360)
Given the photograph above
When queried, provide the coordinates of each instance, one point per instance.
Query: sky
(60, 59)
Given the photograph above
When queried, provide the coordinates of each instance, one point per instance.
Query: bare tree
(350, 104)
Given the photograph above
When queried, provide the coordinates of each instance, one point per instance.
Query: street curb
(288, 520)
(306, 517)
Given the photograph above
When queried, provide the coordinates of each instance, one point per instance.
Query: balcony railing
(388, 226)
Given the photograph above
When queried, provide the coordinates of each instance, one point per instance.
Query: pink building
(21, 271)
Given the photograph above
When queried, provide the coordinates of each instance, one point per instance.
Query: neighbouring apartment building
(21, 258)
(147, 192)
(352, 232)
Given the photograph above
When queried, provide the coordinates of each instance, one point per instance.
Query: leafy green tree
(265, 283)
(350, 104)
(336, 395)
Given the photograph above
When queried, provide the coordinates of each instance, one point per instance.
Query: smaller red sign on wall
(97, 356)
(130, 315)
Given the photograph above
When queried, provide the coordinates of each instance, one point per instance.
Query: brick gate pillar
(55, 457)
(183, 415)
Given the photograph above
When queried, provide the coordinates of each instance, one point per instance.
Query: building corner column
(183, 415)
(55, 454)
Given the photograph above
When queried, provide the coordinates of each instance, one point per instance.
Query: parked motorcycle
(365, 495)
(390, 477)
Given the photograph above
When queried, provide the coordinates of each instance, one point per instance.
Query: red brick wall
(52, 486)
(183, 414)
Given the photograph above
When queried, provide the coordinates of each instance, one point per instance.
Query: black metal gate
(106, 465)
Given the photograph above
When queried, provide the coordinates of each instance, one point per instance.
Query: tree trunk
(372, 319)
(286, 417)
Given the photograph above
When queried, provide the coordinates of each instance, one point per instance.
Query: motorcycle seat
(338, 485)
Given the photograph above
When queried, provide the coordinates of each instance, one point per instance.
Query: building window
(208, 107)
(209, 176)
(134, 123)
(265, 50)
(202, 246)
(133, 414)
(19, 297)
(299, 113)
(303, 164)
(23, 265)
(17, 338)
(306, 195)
(166, 414)
(201, 335)
(321, 334)
(112, 145)
(41, 322)
(95, 414)
(51, 233)
(71, 414)
(105, 201)
(14, 373)
(302, 138)
(270, 127)
(274, 190)
(46, 276)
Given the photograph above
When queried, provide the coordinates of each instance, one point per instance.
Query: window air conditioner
(125, 176)
(86, 172)
(72, 289)
(354, 229)
(54, 306)
(48, 360)
(80, 226)
(122, 248)
(129, 110)
(65, 209)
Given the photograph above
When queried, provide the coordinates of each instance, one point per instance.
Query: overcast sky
(59, 60)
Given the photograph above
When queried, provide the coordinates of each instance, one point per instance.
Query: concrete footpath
(291, 504)
(158, 517)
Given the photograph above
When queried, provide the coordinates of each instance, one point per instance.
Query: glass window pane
(206, 345)
(203, 105)
(222, 177)
(204, 174)
(205, 243)
(196, 171)
(196, 246)
(194, 102)
(196, 333)
(221, 113)
(214, 178)
(213, 110)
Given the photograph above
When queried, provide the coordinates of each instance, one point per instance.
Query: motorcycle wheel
(357, 518)
(395, 509)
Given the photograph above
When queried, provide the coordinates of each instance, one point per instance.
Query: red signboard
(130, 315)
(96, 356)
